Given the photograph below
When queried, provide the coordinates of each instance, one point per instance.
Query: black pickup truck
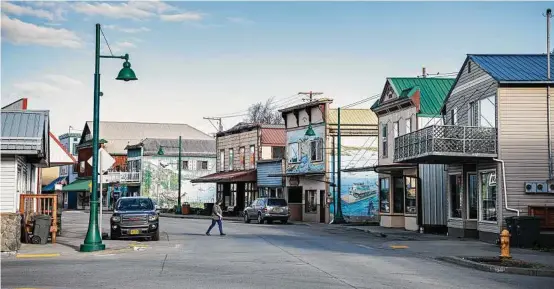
(135, 217)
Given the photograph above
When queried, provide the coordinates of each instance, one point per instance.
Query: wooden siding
(389, 119)
(236, 141)
(523, 144)
(8, 184)
(471, 86)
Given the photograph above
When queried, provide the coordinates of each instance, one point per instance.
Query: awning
(297, 174)
(52, 185)
(384, 169)
(79, 185)
(228, 177)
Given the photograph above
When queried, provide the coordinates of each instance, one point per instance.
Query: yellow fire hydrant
(505, 244)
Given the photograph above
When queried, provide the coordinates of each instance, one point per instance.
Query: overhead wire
(106, 40)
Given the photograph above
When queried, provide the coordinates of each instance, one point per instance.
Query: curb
(196, 218)
(497, 269)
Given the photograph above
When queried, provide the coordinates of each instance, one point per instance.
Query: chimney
(423, 72)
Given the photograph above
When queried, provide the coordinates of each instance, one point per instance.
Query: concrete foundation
(11, 232)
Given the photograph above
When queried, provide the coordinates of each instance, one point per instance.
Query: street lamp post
(93, 240)
(338, 218)
(179, 166)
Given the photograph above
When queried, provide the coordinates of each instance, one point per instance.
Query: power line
(102, 31)
(311, 94)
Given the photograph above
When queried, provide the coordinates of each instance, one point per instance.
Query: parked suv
(267, 209)
(135, 217)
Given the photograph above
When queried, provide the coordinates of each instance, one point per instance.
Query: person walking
(217, 217)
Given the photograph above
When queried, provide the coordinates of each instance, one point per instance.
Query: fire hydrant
(505, 244)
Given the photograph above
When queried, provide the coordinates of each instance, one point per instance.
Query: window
(384, 140)
(455, 196)
(295, 195)
(395, 129)
(409, 125)
(316, 150)
(185, 165)
(221, 160)
(75, 151)
(232, 198)
(411, 193)
(201, 165)
(231, 159)
(398, 195)
(488, 196)
(454, 116)
(384, 195)
(277, 152)
(219, 192)
(472, 196)
(311, 201)
(252, 156)
(242, 158)
(293, 153)
(488, 112)
(82, 167)
(249, 193)
(277, 202)
(473, 114)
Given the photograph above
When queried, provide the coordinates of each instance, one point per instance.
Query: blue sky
(196, 59)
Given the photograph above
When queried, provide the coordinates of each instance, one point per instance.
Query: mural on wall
(359, 190)
(306, 153)
(161, 180)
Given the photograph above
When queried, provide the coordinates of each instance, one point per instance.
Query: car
(135, 217)
(267, 210)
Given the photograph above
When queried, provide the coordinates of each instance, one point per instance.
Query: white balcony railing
(121, 177)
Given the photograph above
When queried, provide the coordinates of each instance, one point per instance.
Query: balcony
(446, 145)
(121, 177)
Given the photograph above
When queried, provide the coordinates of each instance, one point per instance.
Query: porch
(446, 144)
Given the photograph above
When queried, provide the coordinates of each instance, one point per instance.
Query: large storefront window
(311, 201)
(455, 196)
(219, 192)
(232, 198)
(384, 195)
(472, 196)
(249, 193)
(398, 195)
(411, 193)
(488, 196)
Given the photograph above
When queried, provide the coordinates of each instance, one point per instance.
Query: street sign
(90, 186)
(105, 161)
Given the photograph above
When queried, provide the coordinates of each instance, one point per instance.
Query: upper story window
(488, 112)
(75, 152)
(385, 140)
(222, 160)
(293, 152)
(473, 114)
(201, 165)
(242, 158)
(454, 116)
(185, 165)
(252, 156)
(409, 125)
(395, 129)
(231, 159)
(316, 150)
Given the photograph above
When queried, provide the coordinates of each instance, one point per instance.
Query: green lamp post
(179, 165)
(338, 218)
(93, 240)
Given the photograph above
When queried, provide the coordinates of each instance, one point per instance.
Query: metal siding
(274, 136)
(433, 91)
(522, 67)
(265, 169)
(433, 194)
(523, 144)
(8, 184)
(476, 92)
(24, 130)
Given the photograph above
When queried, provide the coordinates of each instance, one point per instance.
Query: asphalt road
(254, 256)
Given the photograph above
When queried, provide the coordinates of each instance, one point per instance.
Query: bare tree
(264, 113)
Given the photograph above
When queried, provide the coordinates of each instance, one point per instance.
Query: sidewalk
(435, 246)
(202, 217)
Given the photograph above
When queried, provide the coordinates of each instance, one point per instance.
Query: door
(322, 206)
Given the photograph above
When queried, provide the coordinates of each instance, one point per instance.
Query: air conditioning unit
(530, 187)
(542, 187)
(550, 184)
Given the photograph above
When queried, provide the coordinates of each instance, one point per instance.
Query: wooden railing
(31, 205)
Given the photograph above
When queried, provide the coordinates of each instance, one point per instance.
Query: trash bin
(41, 229)
(185, 209)
(524, 231)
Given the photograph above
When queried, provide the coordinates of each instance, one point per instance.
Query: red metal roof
(274, 136)
(225, 177)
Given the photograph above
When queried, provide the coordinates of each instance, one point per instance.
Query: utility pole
(311, 94)
(338, 218)
(548, 112)
(218, 119)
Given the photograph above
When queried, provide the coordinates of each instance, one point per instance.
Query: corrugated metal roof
(243, 176)
(274, 136)
(121, 134)
(353, 116)
(432, 91)
(24, 130)
(189, 147)
(514, 67)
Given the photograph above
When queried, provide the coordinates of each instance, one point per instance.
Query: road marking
(399, 247)
(37, 255)
(364, 246)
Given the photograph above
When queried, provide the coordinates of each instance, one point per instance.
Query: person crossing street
(217, 217)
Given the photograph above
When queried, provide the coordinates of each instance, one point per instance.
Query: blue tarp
(52, 186)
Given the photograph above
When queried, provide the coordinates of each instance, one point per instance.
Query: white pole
(101, 203)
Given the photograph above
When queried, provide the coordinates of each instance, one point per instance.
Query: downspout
(504, 188)
(548, 113)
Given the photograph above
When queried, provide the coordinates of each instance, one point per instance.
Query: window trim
(242, 158)
(222, 160)
(406, 194)
(385, 140)
(480, 215)
(231, 159)
(408, 121)
(298, 153)
(389, 195)
(252, 153)
(450, 197)
(319, 149)
(454, 116)
(467, 195)
(396, 129)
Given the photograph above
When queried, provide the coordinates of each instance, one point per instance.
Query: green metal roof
(433, 92)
